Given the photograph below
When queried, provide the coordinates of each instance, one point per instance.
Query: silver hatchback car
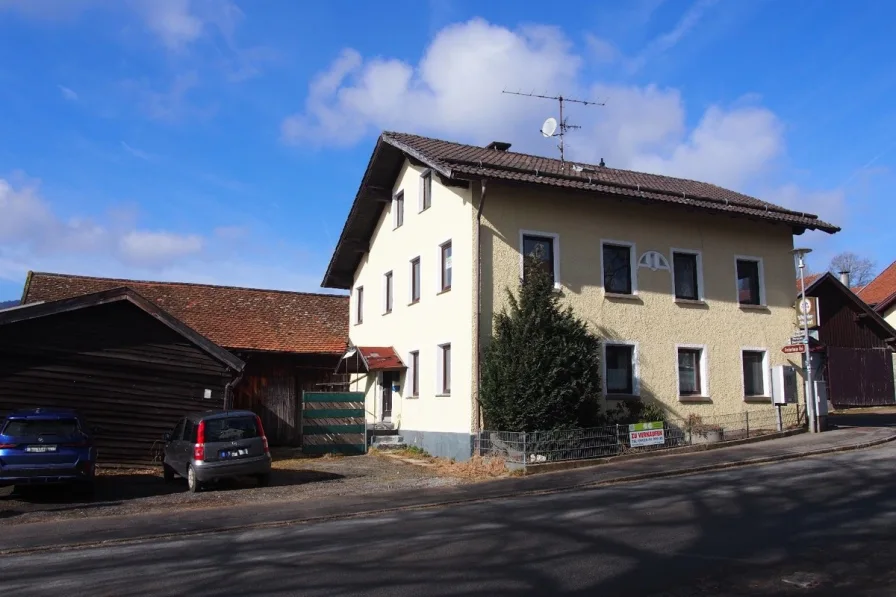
(212, 445)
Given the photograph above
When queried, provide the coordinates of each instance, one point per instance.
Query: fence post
(747, 422)
(618, 444)
(525, 453)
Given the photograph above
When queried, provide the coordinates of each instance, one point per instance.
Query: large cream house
(690, 284)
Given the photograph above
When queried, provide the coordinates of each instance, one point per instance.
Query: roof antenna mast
(551, 125)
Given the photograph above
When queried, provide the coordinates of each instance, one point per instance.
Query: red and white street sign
(792, 348)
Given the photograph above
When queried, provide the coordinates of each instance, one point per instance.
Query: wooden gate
(333, 423)
(860, 376)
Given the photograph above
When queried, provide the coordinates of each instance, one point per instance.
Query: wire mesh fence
(524, 449)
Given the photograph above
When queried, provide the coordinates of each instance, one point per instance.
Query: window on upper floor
(755, 365)
(750, 289)
(398, 209)
(617, 261)
(686, 274)
(541, 248)
(691, 371)
(445, 266)
(415, 280)
(359, 304)
(620, 369)
(387, 292)
(425, 190)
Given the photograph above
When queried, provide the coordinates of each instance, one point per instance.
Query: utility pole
(563, 125)
(810, 390)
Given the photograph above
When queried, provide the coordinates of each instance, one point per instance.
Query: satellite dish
(549, 127)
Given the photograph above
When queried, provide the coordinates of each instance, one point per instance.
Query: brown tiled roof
(492, 163)
(455, 161)
(235, 318)
(809, 279)
(380, 358)
(881, 287)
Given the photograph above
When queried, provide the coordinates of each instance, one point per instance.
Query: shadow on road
(731, 533)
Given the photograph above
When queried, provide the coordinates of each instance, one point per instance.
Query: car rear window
(230, 429)
(36, 427)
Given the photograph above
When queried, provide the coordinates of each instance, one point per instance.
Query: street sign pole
(810, 390)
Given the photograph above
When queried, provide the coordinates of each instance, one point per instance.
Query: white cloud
(33, 236)
(171, 20)
(68, 93)
(455, 92)
(153, 248)
(829, 205)
(137, 153)
(31, 227)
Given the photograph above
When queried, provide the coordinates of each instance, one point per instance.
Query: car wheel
(169, 473)
(192, 481)
(264, 480)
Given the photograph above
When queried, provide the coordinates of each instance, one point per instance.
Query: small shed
(856, 344)
(128, 366)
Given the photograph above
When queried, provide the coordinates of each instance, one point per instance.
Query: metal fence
(523, 449)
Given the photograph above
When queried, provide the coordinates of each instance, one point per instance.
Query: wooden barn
(127, 366)
(856, 345)
(290, 342)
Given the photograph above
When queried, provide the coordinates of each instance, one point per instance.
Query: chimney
(844, 278)
(498, 145)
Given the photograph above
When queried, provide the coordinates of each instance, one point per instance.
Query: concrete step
(387, 440)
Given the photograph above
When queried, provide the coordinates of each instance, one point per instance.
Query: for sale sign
(646, 434)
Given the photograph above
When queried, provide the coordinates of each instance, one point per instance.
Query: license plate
(40, 449)
(234, 453)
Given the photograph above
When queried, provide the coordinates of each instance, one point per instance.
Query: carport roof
(46, 309)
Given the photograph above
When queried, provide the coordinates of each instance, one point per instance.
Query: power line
(564, 126)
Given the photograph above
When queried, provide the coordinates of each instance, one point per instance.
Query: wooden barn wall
(840, 324)
(272, 387)
(122, 369)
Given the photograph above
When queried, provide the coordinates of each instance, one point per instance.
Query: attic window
(498, 145)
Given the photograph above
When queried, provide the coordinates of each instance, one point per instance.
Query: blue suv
(46, 446)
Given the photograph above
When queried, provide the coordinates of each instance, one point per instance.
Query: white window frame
(762, 297)
(440, 372)
(388, 279)
(411, 300)
(412, 371)
(555, 237)
(636, 368)
(395, 224)
(359, 304)
(766, 374)
(704, 373)
(423, 175)
(632, 261)
(701, 293)
(438, 261)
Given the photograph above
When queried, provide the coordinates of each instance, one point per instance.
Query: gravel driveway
(122, 492)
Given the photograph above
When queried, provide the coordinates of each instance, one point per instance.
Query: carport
(128, 366)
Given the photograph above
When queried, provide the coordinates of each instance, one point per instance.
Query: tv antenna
(553, 127)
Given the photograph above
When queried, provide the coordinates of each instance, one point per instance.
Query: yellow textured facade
(652, 319)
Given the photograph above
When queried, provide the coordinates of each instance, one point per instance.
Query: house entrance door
(386, 378)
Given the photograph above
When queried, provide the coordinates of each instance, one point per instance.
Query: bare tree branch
(861, 269)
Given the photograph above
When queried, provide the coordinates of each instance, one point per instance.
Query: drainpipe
(228, 390)
(477, 415)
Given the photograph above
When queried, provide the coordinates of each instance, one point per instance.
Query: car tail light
(199, 448)
(7, 446)
(264, 438)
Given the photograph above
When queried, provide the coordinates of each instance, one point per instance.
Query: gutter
(477, 324)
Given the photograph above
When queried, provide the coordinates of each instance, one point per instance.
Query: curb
(411, 508)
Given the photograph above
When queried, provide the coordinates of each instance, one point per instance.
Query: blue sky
(222, 141)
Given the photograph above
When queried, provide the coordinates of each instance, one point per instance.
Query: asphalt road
(826, 522)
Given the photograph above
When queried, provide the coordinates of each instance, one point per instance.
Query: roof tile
(881, 287)
(235, 318)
